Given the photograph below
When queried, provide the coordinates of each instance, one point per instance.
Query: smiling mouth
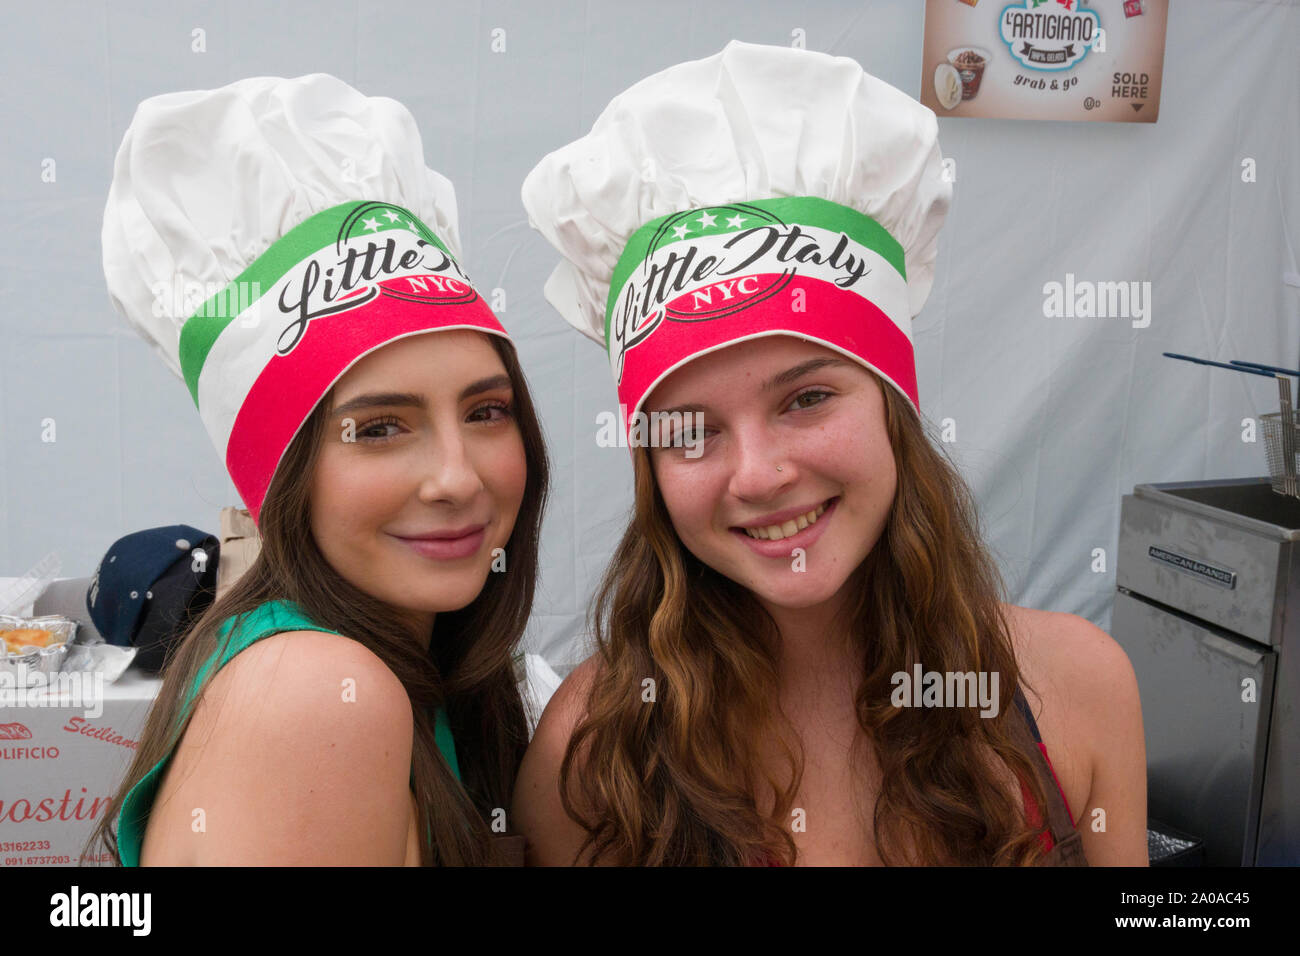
(789, 529)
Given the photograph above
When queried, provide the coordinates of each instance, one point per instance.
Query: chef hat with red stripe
(265, 236)
(760, 191)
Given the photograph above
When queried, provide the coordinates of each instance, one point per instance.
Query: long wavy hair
(470, 667)
(673, 782)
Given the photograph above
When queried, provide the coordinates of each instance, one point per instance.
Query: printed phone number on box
(24, 846)
(36, 860)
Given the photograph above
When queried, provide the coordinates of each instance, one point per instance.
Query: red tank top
(1031, 808)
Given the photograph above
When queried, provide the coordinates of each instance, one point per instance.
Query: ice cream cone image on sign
(969, 61)
(947, 85)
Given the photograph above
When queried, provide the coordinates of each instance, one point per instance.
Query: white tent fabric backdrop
(1051, 419)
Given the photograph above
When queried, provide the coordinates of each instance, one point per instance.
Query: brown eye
(818, 394)
(371, 430)
(492, 412)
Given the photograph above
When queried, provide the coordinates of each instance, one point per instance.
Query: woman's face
(790, 428)
(421, 443)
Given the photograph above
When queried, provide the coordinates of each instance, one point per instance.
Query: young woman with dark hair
(354, 698)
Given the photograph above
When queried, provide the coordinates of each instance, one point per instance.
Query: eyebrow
(779, 380)
(413, 400)
(799, 371)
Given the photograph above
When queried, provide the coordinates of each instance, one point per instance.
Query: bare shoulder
(1070, 655)
(564, 710)
(334, 682)
(553, 837)
(570, 698)
(1084, 693)
(300, 731)
(300, 662)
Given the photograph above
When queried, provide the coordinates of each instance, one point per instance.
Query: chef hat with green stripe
(761, 191)
(265, 236)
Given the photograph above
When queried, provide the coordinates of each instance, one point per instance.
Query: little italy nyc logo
(706, 264)
(405, 261)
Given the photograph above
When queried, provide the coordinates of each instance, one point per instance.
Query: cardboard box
(60, 763)
(239, 546)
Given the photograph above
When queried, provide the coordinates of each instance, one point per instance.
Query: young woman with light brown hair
(749, 236)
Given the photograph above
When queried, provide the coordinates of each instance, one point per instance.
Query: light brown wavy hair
(470, 666)
(672, 782)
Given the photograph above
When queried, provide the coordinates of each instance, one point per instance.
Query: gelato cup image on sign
(969, 62)
(947, 85)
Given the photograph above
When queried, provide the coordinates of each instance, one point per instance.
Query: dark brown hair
(674, 782)
(470, 667)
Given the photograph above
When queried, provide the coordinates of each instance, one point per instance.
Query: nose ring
(778, 467)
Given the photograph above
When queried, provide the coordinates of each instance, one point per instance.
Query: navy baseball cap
(149, 585)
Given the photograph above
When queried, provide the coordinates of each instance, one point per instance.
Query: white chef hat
(266, 235)
(763, 190)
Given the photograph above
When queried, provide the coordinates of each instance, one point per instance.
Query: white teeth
(776, 532)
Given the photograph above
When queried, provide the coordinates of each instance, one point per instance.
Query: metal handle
(1267, 368)
(1233, 368)
(1288, 435)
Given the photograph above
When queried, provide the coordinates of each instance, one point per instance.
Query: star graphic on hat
(705, 220)
(392, 216)
(735, 221)
(372, 224)
(681, 231)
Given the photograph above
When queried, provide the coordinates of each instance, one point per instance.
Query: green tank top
(265, 620)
